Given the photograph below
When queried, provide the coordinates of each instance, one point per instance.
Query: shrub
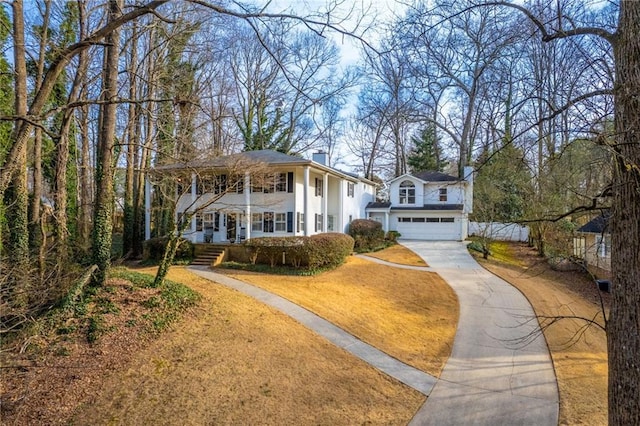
(367, 234)
(392, 236)
(318, 251)
(329, 250)
(154, 249)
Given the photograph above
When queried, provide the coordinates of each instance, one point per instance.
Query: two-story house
(264, 193)
(427, 206)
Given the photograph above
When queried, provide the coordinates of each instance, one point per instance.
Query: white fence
(500, 231)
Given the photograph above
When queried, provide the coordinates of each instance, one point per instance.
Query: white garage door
(421, 228)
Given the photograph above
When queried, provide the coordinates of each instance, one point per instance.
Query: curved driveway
(500, 371)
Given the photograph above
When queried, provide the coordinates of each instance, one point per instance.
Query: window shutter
(290, 182)
(289, 221)
(316, 221)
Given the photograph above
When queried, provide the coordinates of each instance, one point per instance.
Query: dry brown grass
(410, 315)
(398, 254)
(237, 361)
(581, 367)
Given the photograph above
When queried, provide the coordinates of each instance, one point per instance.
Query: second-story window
(281, 182)
(350, 189)
(443, 194)
(319, 184)
(407, 192)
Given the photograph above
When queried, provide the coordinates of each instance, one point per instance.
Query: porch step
(210, 257)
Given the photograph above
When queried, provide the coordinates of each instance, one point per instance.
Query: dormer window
(407, 192)
(443, 194)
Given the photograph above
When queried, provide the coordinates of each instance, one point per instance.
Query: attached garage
(428, 227)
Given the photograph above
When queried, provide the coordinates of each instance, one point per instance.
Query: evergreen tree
(426, 153)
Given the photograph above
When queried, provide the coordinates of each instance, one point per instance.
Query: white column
(341, 203)
(307, 219)
(247, 205)
(386, 222)
(193, 200)
(325, 198)
(147, 208)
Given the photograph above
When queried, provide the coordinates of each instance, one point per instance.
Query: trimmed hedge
(318, 251)
(367, 234)
(153, 249)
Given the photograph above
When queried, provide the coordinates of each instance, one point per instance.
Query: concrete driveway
(500, 371)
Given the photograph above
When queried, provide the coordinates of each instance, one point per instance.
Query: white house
(592, 244)
(427, 206)
(266, 193)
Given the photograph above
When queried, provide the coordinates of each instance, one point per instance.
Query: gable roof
(429, 176)
(432, 176)
(597, 225)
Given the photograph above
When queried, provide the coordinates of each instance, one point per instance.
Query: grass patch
(399, 254)
(135, 278)
(411, 315)
(166, 306)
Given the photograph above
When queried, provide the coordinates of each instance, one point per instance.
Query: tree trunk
(132, 146)
(85, 200)
(103, 214)
(35, 230)
(17, 196)
(623, 331)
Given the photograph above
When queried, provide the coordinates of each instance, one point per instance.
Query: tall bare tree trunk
(17, 207)
(103, 223)
(62, 158)
(133, 136)
(35, 227)
(623, 331)
(85, 192)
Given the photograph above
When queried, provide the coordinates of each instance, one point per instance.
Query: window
(433, 220)
(350, 189)
(205, 184)
(319, 184)
(417, 219)
(281, 182)
(447, 220)
(404, 219)
(319, 223)
(603, 245)
(207, 221)
(443, 194)
(256, 222)
(221, 184)
(331, 223)
(407, 192)
(281, 222)
(238, 182)
(198, 222)
(267, 222)
(256, 184)
(300, 224)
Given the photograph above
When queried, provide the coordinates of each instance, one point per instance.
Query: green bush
(367, 234)
(154, 249)
(392, 236)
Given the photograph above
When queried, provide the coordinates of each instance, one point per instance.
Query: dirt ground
(232, 360)
(237, 361)
(579, 352)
